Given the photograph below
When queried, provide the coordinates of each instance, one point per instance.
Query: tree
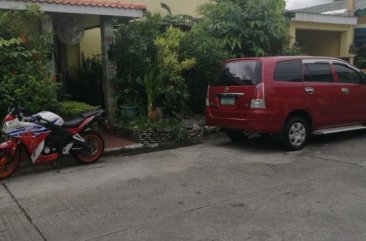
(209, 51)
(249, 27)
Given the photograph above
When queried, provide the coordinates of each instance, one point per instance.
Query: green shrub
(24, 76)
(70, 109)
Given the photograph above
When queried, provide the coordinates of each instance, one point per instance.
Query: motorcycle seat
(82, 116)
(73, 123)
(90, 113)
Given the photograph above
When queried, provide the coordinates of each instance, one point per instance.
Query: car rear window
(288, 70)
(240, 73)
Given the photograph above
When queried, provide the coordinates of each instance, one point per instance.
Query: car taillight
(259, 101)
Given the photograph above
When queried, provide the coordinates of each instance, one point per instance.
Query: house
(326, 29)
(70, 21)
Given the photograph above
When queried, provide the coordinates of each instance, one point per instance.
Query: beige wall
(323, 39)
(91, 44)
(73, 60)
(316, 42)
(177, 6)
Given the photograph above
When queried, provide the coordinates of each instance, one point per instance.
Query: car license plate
(227, 100)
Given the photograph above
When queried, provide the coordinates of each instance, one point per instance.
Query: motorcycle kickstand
(57, 163)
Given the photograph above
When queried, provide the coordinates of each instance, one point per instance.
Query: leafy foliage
(208, 51)
(249, 27)
(89, 85)
(296, 49)
(150, 56)
(170, 62)
(360, 58)
(23, 61)
(134, 52)
(70, 109)
(135, 48)
(154, 83)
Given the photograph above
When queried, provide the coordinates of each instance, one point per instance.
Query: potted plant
(128, 97)
(154, 83)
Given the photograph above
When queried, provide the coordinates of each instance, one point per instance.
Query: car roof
(279, 58)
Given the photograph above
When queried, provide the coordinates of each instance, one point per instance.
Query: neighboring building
(326, 29)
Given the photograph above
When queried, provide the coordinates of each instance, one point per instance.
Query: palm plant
(155, 85)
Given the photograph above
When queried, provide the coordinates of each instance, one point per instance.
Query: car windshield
(239, 73)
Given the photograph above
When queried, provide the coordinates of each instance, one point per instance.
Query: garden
(164, 63)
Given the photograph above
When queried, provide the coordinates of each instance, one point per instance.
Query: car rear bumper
(256, 121)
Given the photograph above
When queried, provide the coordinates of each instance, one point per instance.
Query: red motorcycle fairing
(9, 117)
(8, 145)
(43, 159)
(7, 149)
(32, 141)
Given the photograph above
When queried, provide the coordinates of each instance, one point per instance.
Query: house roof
(93, 3)
(94, 7)
(339, 8)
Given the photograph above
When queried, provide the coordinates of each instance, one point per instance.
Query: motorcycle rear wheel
(92, 155)
(10, 163)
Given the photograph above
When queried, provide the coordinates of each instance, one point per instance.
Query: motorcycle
(44, 137)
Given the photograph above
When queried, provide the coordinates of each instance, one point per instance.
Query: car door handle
(309, 90)
(345, 91)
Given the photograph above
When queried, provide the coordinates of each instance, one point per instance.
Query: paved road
(212, 191)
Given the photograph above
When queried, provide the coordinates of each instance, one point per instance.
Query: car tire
(237, 135)
(295, 133)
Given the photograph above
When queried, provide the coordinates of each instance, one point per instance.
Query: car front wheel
(295, 133)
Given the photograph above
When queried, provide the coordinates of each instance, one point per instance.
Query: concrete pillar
(47, 28)
(109, 68)
(292, 35)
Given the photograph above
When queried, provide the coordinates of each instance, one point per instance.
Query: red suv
(291, 97)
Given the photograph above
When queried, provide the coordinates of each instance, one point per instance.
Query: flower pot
(128, 112)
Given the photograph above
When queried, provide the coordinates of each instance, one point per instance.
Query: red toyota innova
(292, 97)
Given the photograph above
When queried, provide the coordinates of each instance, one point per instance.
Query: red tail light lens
(259, 101)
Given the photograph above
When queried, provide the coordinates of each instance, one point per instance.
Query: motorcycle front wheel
(92, 154)
(8, 164)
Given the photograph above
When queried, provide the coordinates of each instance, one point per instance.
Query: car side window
(288, 70)
(347, 74)
(318, 72)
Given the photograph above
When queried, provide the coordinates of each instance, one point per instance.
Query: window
(318, 72)
(289, 70)
(347, 75)
(240, 73)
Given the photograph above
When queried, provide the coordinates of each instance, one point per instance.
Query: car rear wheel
(295, 133)
(236, 135)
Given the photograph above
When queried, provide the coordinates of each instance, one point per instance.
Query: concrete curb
(139, 148)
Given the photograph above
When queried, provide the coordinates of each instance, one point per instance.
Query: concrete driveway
(212, 191)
